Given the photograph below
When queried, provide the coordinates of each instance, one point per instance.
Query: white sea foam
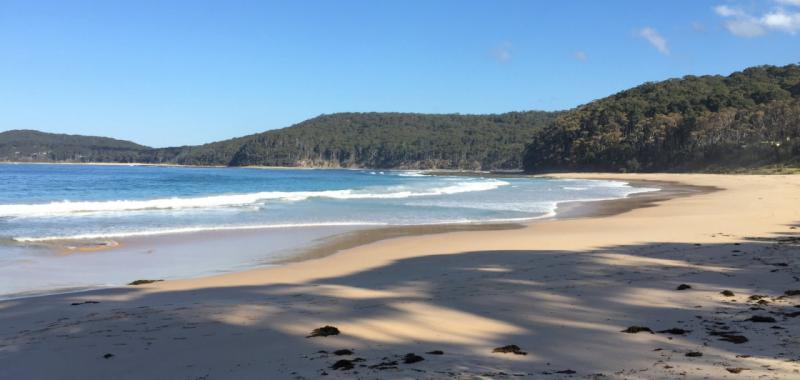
(235, 200)
(170, 231)
(412, 174)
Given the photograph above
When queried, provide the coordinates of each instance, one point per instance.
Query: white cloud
(788, 22)
(743, 24)
(503, 52)
(726, 11)
(655, 39)
(581, 56)
(745, 27)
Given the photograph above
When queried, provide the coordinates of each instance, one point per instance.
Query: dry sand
(561, 290)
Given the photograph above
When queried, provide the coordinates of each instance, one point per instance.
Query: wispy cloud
(698, 27)
(789, 2)
(655, 39)
(744, 24)
(581, 56)
(502, 53)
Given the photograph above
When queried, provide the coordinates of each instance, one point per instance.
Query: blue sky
(167, 73)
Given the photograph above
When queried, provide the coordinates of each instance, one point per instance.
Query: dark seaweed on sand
(324, 331)
(637, 329)
(510, 349)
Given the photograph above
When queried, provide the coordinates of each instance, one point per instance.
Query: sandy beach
(562, 291)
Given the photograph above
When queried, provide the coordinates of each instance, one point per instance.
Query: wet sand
(563, 291)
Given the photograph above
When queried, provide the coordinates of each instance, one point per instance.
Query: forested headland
(746, 120)
(749, 119)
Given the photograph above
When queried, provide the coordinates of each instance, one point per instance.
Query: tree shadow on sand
(566, 310)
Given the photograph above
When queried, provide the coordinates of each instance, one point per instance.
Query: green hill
(375, 140)
(28, 145)
(746, 120)
(398, 140)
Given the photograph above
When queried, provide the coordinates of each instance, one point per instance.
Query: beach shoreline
(322, 243)
(560, 289)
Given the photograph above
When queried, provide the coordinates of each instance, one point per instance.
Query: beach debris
(342, 352)
(324, 331)
(435, 352)
(510, 349)
(792, 293)
(637, 329)
(736, 369)
(143, 282)
(694, 354)
(761, 319)
(84, 303)
(683, 287)
(411, 358)
(727, 293)
(386, 364)
(675, 331)
(343, 365)
(732, 338)
(108, 356)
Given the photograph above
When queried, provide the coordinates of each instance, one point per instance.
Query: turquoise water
(63, 203)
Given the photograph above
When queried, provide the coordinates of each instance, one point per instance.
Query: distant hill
(353, 140)
(746, 120)
(398, 140)
(710, 123)
(28, 145)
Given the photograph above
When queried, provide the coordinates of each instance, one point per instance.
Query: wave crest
(232, 200)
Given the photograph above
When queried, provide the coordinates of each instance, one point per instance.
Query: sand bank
(562, 290)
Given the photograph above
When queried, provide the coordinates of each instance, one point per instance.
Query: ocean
(283, 210)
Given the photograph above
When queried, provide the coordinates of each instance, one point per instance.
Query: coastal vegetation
(353, 140)
(749, 120)
(28, 145)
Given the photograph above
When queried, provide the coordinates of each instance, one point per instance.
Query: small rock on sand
(435, 352)
(324, 331)
(683, 287)
(411, 358)
(736, 369)
(727, 293)
(761, 319)
(791, 293)
(735, 339)
(637, 329)
(694, 354)
(108, 356)
(84, 303)
(510, 349)
(674, 331)
(343, 365)
(342, 352)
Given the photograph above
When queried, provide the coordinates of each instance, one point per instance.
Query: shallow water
(285, 209)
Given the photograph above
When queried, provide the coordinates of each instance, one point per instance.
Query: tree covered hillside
(28, 145)
(370, 140)
(748, 119)
(398, 140)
